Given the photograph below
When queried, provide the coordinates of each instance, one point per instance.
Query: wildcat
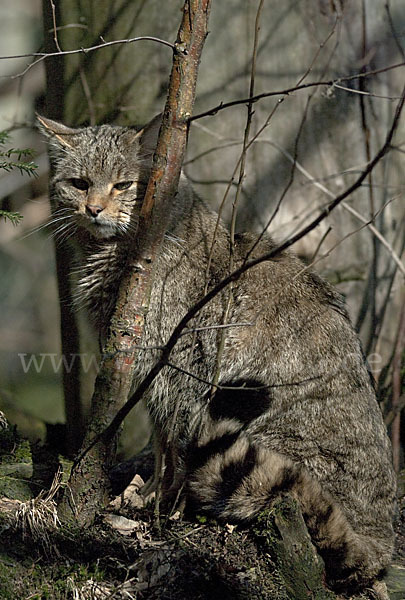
(294, 410)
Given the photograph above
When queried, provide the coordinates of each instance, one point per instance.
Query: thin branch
(389, 279)
(389, 418)
(218, 386)
(346, 206)
(210, 327)
(321, 241)
(289, 182)
(394, 33)
(68, 26)
(313, 180)
(87, 93)
(320, 48)
(297, 140)
(370, 300)
(55, 35)
(366, 223)
(44, 55)
(286, 92)
(89, 49)
(364, 93)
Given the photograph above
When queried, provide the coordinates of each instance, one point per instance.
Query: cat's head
(99, 174)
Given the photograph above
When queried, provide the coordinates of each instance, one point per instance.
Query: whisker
(61, 209)
(55, 217)
(62, 228)
(131, 226)
(53, 223)
(63, 218)
(34, 230)
(41, 227)
(65, 233)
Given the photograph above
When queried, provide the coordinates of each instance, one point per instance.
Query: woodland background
(317, 141)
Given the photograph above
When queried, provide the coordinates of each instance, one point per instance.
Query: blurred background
(316, 143)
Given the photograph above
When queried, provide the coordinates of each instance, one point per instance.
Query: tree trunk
(54, 71)
(89, 483)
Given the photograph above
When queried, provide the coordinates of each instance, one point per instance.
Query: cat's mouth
(100, 229)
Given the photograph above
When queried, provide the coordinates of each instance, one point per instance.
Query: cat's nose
(93, 210)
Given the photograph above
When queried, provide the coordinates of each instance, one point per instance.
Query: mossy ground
(206, 561)
(183, 560)
(27, 578)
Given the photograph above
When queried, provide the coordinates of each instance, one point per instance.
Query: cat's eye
(79, 184)
(123, 185)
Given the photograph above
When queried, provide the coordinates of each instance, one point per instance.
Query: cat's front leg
(152, 484)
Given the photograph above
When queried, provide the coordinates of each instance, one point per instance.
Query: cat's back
(302, 387)
(288, 307)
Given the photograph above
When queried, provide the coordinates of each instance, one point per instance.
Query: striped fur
(235, 480)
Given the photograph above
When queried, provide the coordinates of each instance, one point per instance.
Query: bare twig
(315, 260)
(321, 241)
(55, 35)
(370, 289)
(246, 144)
(286, 92)
(222, 326)
(394, 33)
(44, 55)
(317, 53)
(364, 93)
(344, 205)
(297, 140)
(388, 419)
(87, 93)
(289, 182)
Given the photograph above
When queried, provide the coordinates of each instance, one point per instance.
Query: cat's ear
(57, 131)
(148, 136)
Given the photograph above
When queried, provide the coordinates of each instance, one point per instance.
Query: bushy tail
(233, 480)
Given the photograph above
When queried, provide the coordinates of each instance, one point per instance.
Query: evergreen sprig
(15, 158)
(14, 217)
(23, 167)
